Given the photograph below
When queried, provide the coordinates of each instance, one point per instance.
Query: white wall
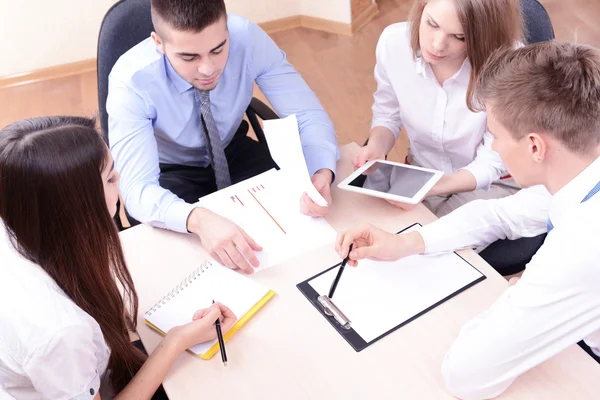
(333, 10)
(43, 33)
(263, 10)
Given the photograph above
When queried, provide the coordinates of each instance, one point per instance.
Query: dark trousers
(245, 156)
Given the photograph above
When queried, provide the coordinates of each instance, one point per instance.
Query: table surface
(289, 351)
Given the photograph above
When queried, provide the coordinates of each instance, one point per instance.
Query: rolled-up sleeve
(487, 167)
(289, 94)
(65, 367)
(134, 149)
(386, 108)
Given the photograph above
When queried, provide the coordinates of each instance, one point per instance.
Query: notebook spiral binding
(185, 283)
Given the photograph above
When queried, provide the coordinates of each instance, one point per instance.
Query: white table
(289, 351)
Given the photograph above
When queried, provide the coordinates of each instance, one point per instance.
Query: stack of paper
(267, 206)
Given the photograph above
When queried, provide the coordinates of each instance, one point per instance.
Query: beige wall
(334, 10)
(43, 33)
(263, 10)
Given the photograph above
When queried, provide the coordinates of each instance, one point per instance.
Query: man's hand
(227, 243)
(375, 244)
(322, 182)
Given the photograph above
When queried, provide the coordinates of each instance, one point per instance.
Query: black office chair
(127, 23)
(538, 27)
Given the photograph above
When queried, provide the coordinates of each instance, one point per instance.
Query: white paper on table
(285, 146)
(378, 296)
(268, 209)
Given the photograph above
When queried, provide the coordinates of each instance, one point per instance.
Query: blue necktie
(591, 194)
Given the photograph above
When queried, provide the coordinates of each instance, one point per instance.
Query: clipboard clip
(332, 310)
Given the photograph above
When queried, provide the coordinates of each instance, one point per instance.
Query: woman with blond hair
(426, 71)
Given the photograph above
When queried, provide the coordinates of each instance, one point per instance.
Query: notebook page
(378, 296)
(228, 287)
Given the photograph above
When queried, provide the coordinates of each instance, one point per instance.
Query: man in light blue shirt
(197, 57)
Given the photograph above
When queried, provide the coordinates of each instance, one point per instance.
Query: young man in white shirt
(543, 106)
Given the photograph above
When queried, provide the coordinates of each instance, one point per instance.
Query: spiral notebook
(209, 281)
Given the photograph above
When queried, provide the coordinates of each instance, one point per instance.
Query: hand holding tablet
(405, 183)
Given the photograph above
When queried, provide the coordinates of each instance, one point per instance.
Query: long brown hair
(487, 25)
(53, 207)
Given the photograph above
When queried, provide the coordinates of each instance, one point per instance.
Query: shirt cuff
(319, 157)
(177, 215)
(436, 237)
(482, 178)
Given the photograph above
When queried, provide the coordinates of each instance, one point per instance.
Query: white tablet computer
(392, 181)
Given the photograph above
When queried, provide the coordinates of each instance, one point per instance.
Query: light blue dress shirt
(153, 118)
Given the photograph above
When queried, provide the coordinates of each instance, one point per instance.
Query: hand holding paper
(286, 149)
(321, 181)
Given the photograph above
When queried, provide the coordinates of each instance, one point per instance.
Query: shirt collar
(180, 84)
(463, 75)
(572, 193)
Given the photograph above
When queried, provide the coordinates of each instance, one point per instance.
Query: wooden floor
(338, 68)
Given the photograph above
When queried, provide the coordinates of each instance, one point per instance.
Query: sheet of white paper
(268, 209)
(378, 296)
(285, 146)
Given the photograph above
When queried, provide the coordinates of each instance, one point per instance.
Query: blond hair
(487, 25)
(548, 87)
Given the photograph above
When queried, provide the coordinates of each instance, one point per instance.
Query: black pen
(221, 341)
(339, 274)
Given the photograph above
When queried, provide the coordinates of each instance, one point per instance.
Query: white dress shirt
(555, 304)
(443, 133)
(49, 347)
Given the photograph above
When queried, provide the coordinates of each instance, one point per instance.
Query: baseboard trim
(305, 21)
(281, 24)
(364, 18)
(44, 74)
(278, 25)
(325, 25)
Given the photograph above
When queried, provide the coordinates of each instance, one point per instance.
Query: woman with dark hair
(64, 321)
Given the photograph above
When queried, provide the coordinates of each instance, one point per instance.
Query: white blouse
(49, 347)
(443, 133)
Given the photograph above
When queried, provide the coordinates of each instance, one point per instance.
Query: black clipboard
(348, 333)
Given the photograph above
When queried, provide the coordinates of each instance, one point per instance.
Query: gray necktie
(214, 144)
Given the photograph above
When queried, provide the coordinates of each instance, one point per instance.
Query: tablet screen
(394, 179)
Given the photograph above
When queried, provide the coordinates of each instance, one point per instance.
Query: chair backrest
(126, 23)
(538, 27)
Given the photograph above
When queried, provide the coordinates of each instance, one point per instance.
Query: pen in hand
(339, 274)
(221, 341)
